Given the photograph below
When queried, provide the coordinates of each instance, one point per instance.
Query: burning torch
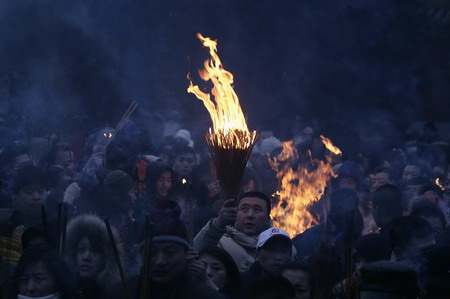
(230, 142)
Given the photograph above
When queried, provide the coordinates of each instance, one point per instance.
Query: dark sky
(349, 64)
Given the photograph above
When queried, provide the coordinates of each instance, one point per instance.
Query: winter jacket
(239, 245)
(250, 278)
(185, 286)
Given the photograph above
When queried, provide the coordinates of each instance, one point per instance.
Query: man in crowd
(250, 216)
(168, 273)
(387, 203)
(273, 251)
(381, 177)
(30, 194)
(183, 159)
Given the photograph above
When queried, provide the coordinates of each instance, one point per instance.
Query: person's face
(215, 269)
(300, 280)
(183, 164)
(274, 254)
(380, 179)
(164, 183)
(252, 216)
(30, 198)
(168, 261)
(90, 262)
(347, 183)
(411, 172)
(36, 281)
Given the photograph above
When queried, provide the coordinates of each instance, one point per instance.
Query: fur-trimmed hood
(94, 228)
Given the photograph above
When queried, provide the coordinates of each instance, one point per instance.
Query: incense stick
(62, 224)
(117, 257)
(124, 119)
(349, 261)
(145, 272)
(189, 212)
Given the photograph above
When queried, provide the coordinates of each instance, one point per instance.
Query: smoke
(371, 64)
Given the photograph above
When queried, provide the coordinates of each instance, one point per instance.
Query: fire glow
(299, 187)
(230, 141)
(230, 128)
(438, 183)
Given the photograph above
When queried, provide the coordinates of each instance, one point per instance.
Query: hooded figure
(90, 253)
(159, 181)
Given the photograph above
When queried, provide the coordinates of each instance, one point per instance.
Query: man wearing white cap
(273, 250)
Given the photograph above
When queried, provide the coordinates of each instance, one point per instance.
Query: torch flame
(438, 183)
(230, 127)
(231, 142)
(329, 145)
(299, 187)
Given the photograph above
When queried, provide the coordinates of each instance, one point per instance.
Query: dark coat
(184, 287)
(249, 279)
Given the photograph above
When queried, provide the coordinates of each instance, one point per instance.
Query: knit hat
(120, 180)
(167, 224)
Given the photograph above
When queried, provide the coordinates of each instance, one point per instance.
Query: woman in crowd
(219, 270)
(42, 274)
(90, 253)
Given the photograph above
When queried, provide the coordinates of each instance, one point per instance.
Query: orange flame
(329, 145)
(230, 128)
(299, 187)
(438, 183)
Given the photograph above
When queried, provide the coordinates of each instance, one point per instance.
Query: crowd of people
(115, 217)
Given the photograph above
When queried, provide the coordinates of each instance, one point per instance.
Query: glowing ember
(299, 187)
(230, 128)
(438, 183)
(230, 142)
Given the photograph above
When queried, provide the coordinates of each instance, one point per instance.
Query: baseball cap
(271, 233)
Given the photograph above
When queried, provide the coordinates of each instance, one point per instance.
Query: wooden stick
(145, 272)
(117, 257)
